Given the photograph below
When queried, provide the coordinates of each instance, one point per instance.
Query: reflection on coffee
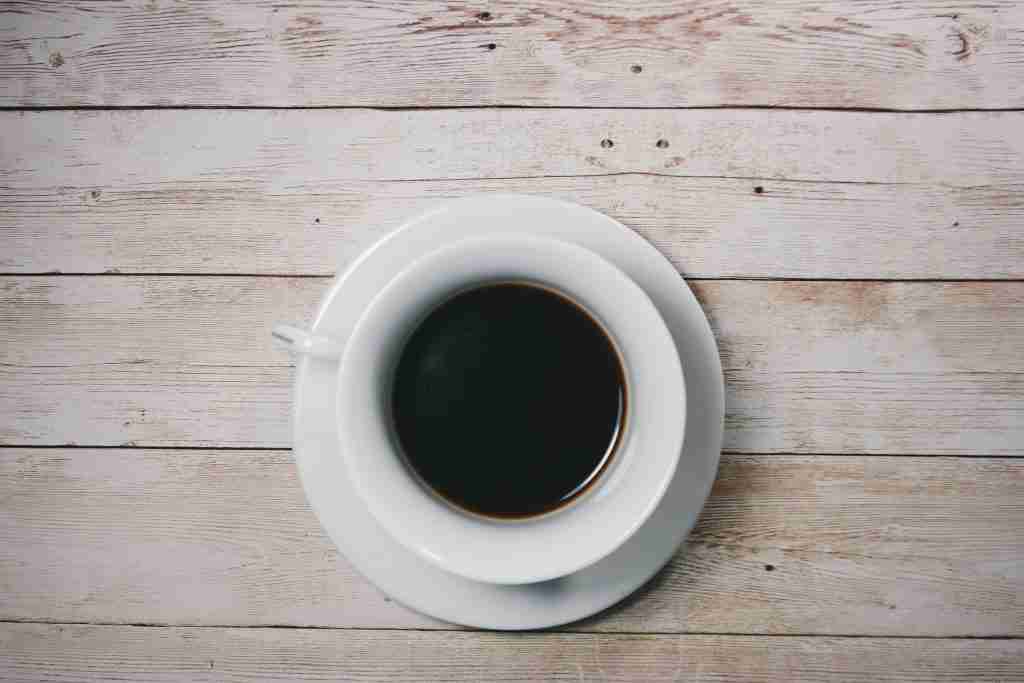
(508, 400)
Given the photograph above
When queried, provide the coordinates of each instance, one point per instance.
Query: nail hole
(491, 46)
(769, 567)
(95, 194)
(661, 144)
(956, 224)
(607, 143)
(956, 17)
(758, 190)
(484, 16)
(636, 68)
(316, 220)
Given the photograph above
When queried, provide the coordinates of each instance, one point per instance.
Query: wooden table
(841, 182)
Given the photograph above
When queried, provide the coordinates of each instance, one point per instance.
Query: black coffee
(507, 400)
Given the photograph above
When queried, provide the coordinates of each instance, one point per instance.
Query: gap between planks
(465, 629)
(723, 278)
(766, 107)
(278, 449)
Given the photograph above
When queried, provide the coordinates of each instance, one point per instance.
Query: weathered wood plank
(708, 227)
(33, 652)
(839, 53)
(164, 360)
(297, 150)
(241, 191)
(869, 367)
(811, 367)
(787, 544)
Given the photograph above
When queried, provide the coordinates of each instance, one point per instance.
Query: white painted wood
(708, 227)
(811, 367)
(295, 151)
(838, 53)
(33, 652)
(831, 545)
(855, 545)
(242, 191)
(166, 358)
(871, 367)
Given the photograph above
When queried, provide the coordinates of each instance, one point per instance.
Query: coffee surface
(507, 400)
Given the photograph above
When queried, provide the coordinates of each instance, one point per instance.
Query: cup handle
(297, 340)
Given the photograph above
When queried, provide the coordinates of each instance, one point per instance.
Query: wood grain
(708, 227)
(786, 545)
(298, 150)
(36, 652)
(881, 539)
(301, 192)
(925, 54)
(33, 652)
(810, 367)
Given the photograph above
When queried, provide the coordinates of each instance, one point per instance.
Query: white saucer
(414, 581)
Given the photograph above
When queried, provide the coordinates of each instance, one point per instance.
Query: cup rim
(549, 545)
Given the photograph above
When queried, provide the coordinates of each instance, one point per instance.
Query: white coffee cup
(485, 549)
